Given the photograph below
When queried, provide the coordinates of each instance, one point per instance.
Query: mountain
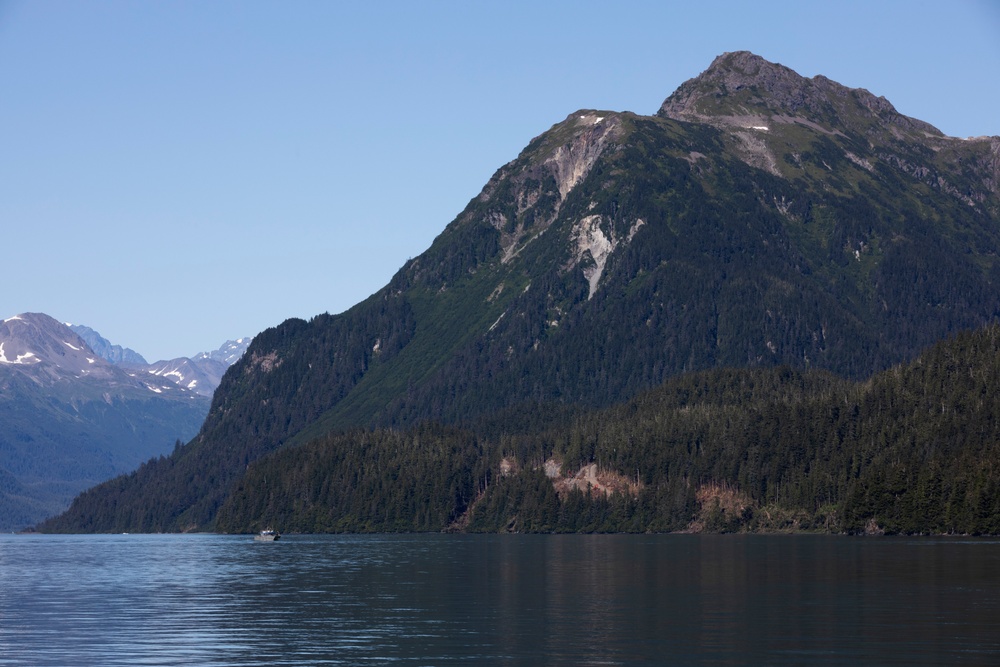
(228, 353)
(71, 419)
(200, 373)
(116, 354)
(759, 219)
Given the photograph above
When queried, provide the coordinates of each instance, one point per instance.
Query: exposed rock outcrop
(740, 86)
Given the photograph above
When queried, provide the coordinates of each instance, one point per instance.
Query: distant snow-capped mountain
(70, 419)
(38, 348)
(229, 353)
(199, 373)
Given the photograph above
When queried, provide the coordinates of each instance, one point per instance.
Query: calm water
(498, 600)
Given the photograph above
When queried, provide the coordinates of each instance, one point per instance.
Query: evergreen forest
(912, 450)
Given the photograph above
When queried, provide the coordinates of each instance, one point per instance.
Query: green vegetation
(54, 445)
(915, 449)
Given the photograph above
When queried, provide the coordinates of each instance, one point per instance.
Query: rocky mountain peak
(228, 353)
(116, 354)
(202, 372)
(731, 73)
(47, 352)
(35, 340)
(740, 86)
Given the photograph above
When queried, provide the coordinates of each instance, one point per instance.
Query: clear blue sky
(174, 174)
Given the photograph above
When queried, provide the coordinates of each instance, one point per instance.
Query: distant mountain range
(71, 418)
(759, 219)
(199, 373)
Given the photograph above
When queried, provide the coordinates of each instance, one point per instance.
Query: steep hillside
(759, 219)
(913, 450)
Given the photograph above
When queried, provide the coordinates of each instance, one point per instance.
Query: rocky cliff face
(524, 198)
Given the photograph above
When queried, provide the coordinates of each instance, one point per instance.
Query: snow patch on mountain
(199, 373)
(202, 372)
(20, 358)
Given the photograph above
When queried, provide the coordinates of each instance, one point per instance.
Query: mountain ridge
(782, 93)
(200, 372)
(116, 354)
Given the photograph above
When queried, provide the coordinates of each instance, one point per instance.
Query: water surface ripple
(498, 600)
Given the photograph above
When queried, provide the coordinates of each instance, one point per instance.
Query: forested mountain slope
(915, 449)
(759, 219)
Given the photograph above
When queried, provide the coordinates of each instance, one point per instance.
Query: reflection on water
(554, 600)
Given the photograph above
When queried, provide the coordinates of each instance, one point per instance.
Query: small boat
(267, 536)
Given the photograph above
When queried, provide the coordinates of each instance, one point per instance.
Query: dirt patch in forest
(720, 505)
(589, 479)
